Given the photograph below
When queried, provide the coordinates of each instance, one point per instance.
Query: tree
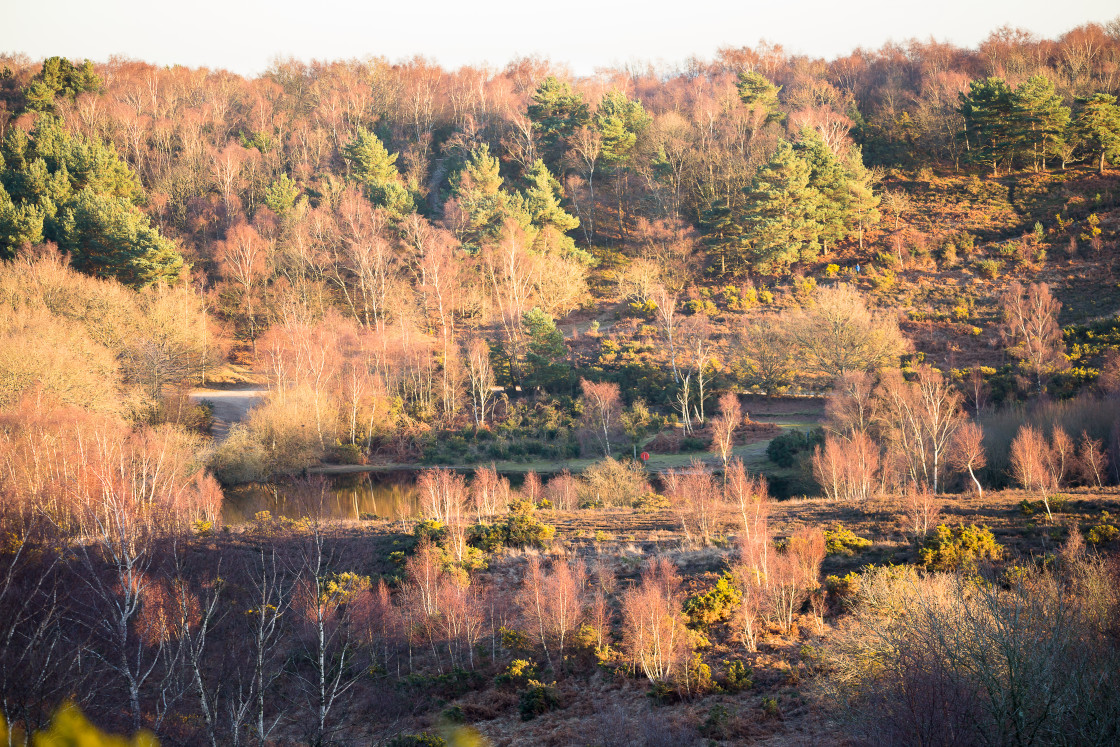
(757, 92)
(765, 354)
(546, 358)
(838, 334)
(551, 602)
(695, 498)
(920, 419)
(653, 630)
(1031, 460)
(1098, 121)
(620, 122)
(372, 166)
(1030, 330)
(602, 406)
(989, 120)
(542, 201)
(781, 218)
(1042, 120)
(557, 113)
(724, 426)
(60, 77)
(967, 451)
(829, 178)
(110, 237)
(481, 375)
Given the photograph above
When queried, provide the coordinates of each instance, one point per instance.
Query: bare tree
(1031, 463)
(481, 376)
(724, 426)
(1092, 459)
(967, 452)
(1030, 330)
(602, 406)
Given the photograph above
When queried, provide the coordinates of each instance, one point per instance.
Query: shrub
(784, 449)
(989, 268)
(738, 676)
(831, 271)
(960, 548)
(1102, 533)
(714, 605)
(520, 528)
(536, 699)
(417, 740)
(613, 483)
(843, 541)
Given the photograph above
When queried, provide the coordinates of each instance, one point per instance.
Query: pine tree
(542, 203)
(863, 203)
(756, 91)
(556, 112)
(620, 121)
(375, 168)
(1099, 123)
(77, 192)
(109, 237)
(723, 235)
(59, 76)
(989, 121)
(829, 177)
(546, 358)
(780, 219)
(480, 194)
(1040, 118)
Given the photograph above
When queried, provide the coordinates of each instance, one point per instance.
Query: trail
(230, 405)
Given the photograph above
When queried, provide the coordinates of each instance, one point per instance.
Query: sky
(244, 36)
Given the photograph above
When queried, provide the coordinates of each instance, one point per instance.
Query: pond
(385, 495)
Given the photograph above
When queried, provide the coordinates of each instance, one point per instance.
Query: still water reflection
(385, 495)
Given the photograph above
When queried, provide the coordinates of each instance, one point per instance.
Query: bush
(738, 677)
(715, 605)
(1102, 533)
(520, 528)
(417, 740)
(989, 268)
(613, 483)
(843, 541)
(536, 699)
(962, 548)
(784, 449)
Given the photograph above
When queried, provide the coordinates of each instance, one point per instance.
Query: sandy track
(230, 405)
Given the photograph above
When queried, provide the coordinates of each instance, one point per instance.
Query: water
(386, 495)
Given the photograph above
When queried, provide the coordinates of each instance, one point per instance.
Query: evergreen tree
(375, 168)
(281, 195)
(756, 91)
(552, 223)
(19, 225)
(77, 192)
(556, 112)
(1099, 123)
(108, 237)
(59, 77)
(1040, 118)
(989, 122)
(863, 203)
(829, 177)
(780, 220)
(620, 121)
(546, 359)
(481, 197)
(723, 235)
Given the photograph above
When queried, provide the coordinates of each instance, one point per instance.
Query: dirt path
(230, 405)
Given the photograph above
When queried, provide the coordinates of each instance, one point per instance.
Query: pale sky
(245, 35)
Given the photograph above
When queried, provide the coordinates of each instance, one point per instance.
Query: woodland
(761, 399)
